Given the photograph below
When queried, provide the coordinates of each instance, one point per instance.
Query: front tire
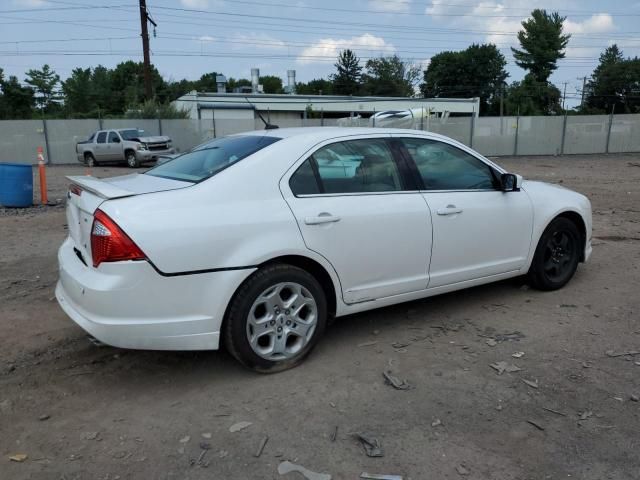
(131, 159)
(90, 160)
(557, 255)
(275, 318)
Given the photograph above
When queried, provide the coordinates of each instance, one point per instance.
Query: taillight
(109, 243)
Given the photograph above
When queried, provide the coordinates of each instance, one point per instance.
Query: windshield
(130, 134)
(210, 158)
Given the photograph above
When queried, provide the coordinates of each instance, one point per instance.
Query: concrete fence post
(159, 126)
(213, 121)
(515, 143)
(373, 118)
(609, 129)
(46, 141)
(564, 133)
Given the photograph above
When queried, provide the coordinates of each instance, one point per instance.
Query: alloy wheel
(281, 321)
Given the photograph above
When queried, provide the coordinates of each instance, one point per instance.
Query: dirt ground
(81, 411)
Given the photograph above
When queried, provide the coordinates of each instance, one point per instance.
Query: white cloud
(391, 6)
(198, 4)
(257, 40)
(602, 22)
(499, 21)
(30, 3)
(329, 47)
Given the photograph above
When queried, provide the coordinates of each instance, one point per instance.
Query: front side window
(113, 137)
(353, 166)
(445, 167)
(102, 137)
(211, 158)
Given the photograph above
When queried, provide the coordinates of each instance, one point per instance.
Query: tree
(478, 71)
(529, 97)
(233, 83)
(101, 90)
(271, 84)
(16, 101)
(45, 84)
(127, 85)
(615, 84)
(347, 80)
(390, 77)
(318, 86)
(151, 109)
(78, 94)
(542, 44)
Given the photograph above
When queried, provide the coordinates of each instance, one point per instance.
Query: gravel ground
(79, 411)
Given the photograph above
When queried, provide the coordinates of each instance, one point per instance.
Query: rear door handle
(449, 210)
(320, 219)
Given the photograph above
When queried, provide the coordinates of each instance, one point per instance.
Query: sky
(232, 36)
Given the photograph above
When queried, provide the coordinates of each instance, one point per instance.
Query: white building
(285, 109)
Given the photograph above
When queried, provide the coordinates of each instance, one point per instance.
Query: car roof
(319, 134)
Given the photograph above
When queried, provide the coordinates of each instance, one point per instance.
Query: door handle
(320, 219)
(449, 210)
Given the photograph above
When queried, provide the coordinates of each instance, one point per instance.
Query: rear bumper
(130, 305)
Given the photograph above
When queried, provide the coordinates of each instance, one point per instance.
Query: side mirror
(116, 140)
(510, 182)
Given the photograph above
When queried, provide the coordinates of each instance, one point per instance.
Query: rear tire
(557, 255)
(90, 160)
(275, 318)
(131, 159)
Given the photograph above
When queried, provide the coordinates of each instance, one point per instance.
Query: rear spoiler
(99, 187)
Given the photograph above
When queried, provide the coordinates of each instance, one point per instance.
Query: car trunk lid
(87, 193)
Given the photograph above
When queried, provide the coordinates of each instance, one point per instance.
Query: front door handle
(321, 218)
(449, 210)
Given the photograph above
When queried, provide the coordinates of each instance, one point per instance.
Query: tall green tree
(16, 101)
(542, 44)
(101, 88)
(390, 77)
(46, 84)
(478, 71)
(615, 84)
(347, 79)
(78, 92)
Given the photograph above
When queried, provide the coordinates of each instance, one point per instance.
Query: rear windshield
(210, 158)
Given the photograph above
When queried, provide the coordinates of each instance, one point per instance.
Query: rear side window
(212, 157)
(102, 137)
(354, 166)
(445, 167)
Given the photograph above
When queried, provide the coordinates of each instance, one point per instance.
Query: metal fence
(492, 136)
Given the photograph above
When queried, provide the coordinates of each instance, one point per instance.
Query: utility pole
(584, 86)
(144, 33)
(564, 94)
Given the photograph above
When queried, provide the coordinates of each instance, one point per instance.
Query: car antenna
(267, 125)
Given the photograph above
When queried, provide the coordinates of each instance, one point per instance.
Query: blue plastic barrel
(16, 185)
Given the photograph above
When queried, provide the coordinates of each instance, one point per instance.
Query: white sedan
(255, 240)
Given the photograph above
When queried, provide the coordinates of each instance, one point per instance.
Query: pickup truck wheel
(132, 161)
(90, 160)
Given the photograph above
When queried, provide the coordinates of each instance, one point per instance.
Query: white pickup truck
(124, 145)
